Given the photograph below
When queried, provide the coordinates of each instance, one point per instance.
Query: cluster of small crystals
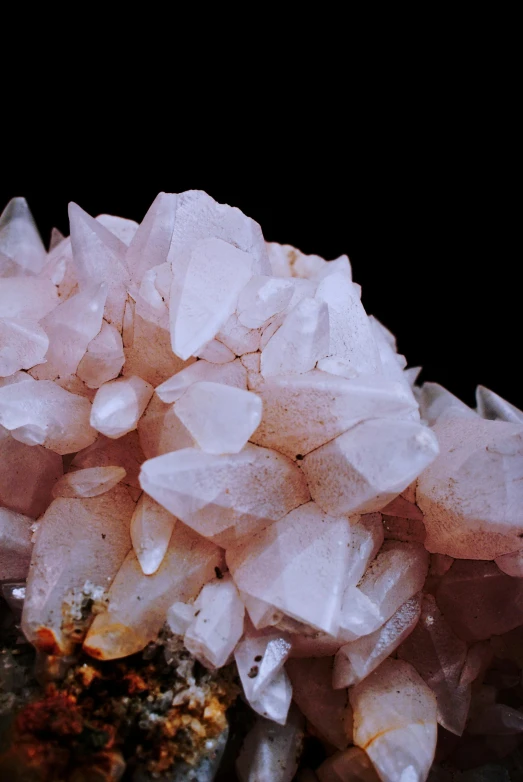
(210, 431)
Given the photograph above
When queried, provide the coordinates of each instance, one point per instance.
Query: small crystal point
(19, 237)
(119, 404)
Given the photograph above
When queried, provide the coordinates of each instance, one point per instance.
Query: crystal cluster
(211, 432)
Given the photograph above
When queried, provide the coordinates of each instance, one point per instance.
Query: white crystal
(219, 417)
(99, 257)
(150, 244)
(231, 374)
(330, 405)
(23, 343)
(218, 623)
(179, 617)
(435, 402)
(125, 452)
(138, 604)
(103, 359)
(119, 404)
(262, 298)
(274, 701)
(471, 495)
(395, 722)
(301, 340)
(366, 540)
(260, 655)
(365, 468)
(42, 413)
(70, 327)
(205, 292)
(92, 539)
(227, 496)
(89, 482)
(27, 298)
(151, 530)
(357, 659)
(298, 565)
(397, 573)
(350, 334)
(152, 296)
(19, 238)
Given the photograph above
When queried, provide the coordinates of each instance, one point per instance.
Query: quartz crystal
(118, 405)
(365, 468)
(138, 604)
(472, 494)
(219, 417)
(78, 540)
(218, 623)
(207, 447)
(395, 721)
(207, 491)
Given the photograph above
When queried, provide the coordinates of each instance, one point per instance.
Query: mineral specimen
(212, 456)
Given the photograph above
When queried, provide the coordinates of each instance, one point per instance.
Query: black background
(425, 203)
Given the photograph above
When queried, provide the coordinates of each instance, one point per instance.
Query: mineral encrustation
(207, 444)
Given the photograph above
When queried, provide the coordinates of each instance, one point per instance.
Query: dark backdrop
(429, 225)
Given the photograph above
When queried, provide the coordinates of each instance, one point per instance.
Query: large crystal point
(118, 405)
(228, 496)
(365, 468)
(99, 257)
(149, 246)
(472, 494)
(138, 604)
(357, 659)
(328, 403)
(218, 623)
(15, 545)
(70, 327)
(397, 573)
(436, 402)
(298, 565)
(78, 540)
(350, 333)
(439, 656)
(23, 343)
(19, 238)
(221, 418)
(151, 530)
(42, 413)
(103, 359)
(205, 293)
(395, 721)
(301, 340)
